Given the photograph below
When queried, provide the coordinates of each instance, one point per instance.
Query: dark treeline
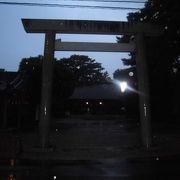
(163, 56)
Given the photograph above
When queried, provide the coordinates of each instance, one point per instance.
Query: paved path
(96, 150)
(92, 140)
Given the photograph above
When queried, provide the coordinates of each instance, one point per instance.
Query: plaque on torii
(51, 27)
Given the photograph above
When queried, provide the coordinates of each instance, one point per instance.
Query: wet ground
(96, 150)
(139, 168)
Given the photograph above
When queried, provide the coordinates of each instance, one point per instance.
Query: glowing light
(45, 111)
(122, 108)
(11, 177)
(12, 162)
(131, 73)
(123, 86)
(157, 158)
(175, 70)
(54, 177)
(87, 103)
(145, 17)
(100, 103)
(166, 27)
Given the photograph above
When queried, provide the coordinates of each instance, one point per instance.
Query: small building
(14, 105)
(96, 99)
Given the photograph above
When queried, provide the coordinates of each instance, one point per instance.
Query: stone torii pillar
(46, 89)
(143, 89)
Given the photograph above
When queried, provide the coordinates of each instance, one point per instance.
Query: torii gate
(51, 27)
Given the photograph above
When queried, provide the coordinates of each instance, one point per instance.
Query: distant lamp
(123, 86)
(100, 103)
(87, 103)
(131, 74)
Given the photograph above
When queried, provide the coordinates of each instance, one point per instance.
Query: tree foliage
(30, 70)
(67, 73)
(85, 70)
(163, 53)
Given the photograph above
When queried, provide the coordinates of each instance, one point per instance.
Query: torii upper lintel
(88, 27)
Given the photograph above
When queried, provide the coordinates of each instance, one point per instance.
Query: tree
(162, 53)
(166, 14)
(86, 71)
(31, 70)
(68, 73)
(131, 60)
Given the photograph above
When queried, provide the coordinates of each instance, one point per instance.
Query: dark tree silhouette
(85, 70)
(68, 73)
(163, 54)
(30, 69)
